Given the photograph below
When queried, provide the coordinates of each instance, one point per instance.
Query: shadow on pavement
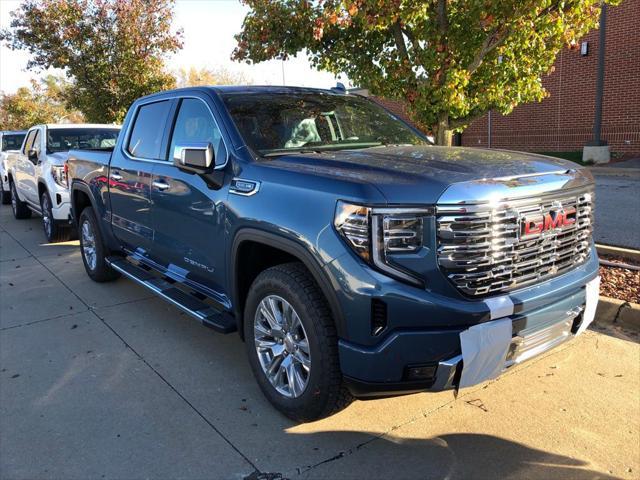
(616, 331)
(450, 456)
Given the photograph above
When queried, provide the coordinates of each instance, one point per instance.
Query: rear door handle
(160, 185)
(115, 176)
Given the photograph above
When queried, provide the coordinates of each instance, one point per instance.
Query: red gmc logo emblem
(533, 226)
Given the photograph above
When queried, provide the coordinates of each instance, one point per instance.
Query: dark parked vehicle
(353, 257)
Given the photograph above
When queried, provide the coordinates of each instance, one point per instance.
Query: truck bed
(84, 164)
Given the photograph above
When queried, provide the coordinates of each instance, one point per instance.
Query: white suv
(10, 143)
(37, 174)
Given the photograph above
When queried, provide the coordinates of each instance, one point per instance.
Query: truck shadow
(617, 331)
(450, 456)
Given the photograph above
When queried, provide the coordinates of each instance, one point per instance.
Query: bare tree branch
(412, 38)
(492, 40)
(443, 20)
(499, 34)
(397, 35)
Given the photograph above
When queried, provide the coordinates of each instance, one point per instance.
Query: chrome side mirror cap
(196, 156)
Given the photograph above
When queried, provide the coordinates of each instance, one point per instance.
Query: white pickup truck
(10, 143)
(37, 173)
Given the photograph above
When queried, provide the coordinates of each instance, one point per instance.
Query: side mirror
(32, 155)
(197, 157)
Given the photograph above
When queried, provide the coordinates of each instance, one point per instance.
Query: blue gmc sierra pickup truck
(354, 258)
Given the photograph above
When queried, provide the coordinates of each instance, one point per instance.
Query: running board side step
(209, 316)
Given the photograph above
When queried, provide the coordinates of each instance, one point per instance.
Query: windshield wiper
(397, 145)
(292, 151)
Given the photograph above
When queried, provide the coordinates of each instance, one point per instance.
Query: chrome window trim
(125, 143)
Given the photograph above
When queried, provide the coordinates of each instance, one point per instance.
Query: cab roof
(250, 89)
(53, 126)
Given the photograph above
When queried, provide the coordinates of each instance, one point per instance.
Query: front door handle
(160, 185)
(115, 176)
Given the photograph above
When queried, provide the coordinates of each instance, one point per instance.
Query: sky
(208, 26)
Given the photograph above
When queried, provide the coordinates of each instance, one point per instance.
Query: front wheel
(52, 230)
(94, 252)
(292, 344)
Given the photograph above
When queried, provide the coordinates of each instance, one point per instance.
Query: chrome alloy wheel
(282, 346)
(47, 221)
(89, 245)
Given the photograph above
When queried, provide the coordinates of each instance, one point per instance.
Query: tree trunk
(444, 134)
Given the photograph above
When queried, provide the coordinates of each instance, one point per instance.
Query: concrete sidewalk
(104, 381)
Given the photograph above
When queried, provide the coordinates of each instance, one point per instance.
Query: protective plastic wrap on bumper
(381, 368)
(484, 351)
(489, 348)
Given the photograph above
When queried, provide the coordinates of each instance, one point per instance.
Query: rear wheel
(52, 229)
(94, 252)
(292, 344)
(20, 208)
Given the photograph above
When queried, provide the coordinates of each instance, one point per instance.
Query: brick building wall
(564, 120)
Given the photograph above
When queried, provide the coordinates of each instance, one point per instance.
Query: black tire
(5, 196)
(325, 392)
(20, 209)
(52, 229)
(99, 271)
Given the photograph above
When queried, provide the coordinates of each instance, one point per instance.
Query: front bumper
(62, 213)
(542, 317)
(60, 204)
(4, 178)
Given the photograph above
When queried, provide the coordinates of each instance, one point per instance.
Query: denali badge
(557, 219)
(199, 265)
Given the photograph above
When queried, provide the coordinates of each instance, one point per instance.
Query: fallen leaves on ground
(620, 283)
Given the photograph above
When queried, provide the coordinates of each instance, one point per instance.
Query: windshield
(65, 139)
(12, 141)
(277, 123)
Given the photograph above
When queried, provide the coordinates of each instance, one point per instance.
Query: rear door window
(148, 129)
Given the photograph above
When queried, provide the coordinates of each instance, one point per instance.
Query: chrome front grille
(483, 250)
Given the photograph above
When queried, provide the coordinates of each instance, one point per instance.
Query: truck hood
(420, 174)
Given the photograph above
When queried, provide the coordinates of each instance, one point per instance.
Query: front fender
(99, 208)
(294, 248)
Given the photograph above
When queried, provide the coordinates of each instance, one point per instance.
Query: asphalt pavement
(104, 381)
(617, 210)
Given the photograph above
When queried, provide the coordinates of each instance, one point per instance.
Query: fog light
(421, 372)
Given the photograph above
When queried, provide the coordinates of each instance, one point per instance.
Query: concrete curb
(626, 253)
(618, 312)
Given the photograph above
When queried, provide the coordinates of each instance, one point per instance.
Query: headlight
(59, 175)
(377, 234)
